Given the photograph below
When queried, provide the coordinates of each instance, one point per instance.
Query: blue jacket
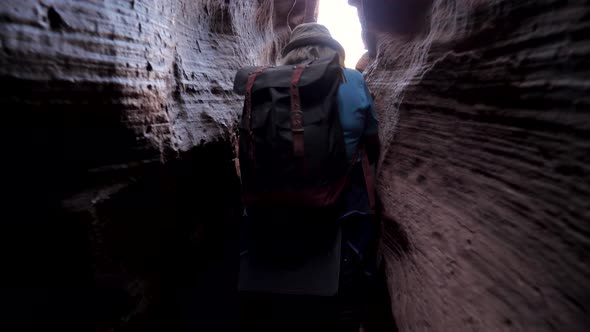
(357, 111)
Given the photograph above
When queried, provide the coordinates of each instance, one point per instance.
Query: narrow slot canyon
(122, 206)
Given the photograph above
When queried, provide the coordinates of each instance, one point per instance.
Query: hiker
(308, 143)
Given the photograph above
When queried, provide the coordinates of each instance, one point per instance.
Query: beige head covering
(312, 34)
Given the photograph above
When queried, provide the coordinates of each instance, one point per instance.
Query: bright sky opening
(343, 22)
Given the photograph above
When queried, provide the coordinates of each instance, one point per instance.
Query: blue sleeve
(371, 122)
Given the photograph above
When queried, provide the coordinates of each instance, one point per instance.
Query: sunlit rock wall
(121, 199)
(485, 119)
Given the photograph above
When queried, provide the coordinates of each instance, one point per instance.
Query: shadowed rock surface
(485, 177)
(121, 202)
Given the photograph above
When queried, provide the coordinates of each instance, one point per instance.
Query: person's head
(309, 41)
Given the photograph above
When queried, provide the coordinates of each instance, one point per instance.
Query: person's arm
(371, 131)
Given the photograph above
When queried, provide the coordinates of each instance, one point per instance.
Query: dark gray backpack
(291, 145)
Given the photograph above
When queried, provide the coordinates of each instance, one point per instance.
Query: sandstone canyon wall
(121, 204)
(485, 119)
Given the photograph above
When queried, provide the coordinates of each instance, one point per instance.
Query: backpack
(291, 143)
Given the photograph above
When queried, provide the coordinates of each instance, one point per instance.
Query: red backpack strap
(236, 149)
(297, 116)
(367, 172)
(369, 178)
(248, 108)
(296, 113)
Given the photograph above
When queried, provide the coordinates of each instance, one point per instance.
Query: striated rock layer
(121, 201)
(121, 204)
(485, 118)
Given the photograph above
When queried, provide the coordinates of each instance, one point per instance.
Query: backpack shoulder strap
(369, 178)
(248, 108)
(248, 99)
(297, 115)
(367, 172)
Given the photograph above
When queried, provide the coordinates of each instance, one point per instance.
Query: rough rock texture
(121, 198)
(485, 116)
